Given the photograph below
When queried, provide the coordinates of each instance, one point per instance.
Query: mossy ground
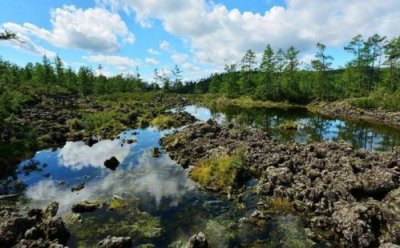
(288, 125)
(121, 218)
(220, 171)
(164, 121)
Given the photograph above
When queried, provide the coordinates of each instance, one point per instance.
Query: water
(163, 205)
(310, 127)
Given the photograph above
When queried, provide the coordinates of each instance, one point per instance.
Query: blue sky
(200, 36)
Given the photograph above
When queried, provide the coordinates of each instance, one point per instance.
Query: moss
(127, 220)
(75, 124)
(164, 121)
(243, 102)
(220, 171)
(117, 203)
(288, 125)
(280, 204)
(104, 121)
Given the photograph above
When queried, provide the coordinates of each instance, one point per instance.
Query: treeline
(52, 76)
(373, 71)
(372, 76)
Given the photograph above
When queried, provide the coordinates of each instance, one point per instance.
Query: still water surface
(161, 188)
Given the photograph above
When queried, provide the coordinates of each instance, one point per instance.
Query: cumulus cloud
(151, 61)
(77, 155)
(160, 181)
(219, 35)
(94, 29)
(24, 42)
(153, 51)
(164, 45)
(179, 58)
(122, 63)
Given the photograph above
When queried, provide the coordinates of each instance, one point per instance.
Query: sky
(200, 36)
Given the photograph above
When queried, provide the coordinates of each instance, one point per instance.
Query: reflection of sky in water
(77, 155)
(202, 113)
(154, 180)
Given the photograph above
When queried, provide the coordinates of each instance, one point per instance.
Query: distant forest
(372, 76)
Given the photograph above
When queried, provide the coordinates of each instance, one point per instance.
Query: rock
(11, 197)
(358, 224)
(389, 245)
(155, 153)
(32, 230)
(197, 241)
(55, 229)
(350, 193)
(51, 210)
(91, 141)
(115, 242)
(130, 141)
(34, 233)
(111, 163)
(78, 187)
(85, 206)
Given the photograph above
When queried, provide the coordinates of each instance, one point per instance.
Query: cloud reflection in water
(155, 181)
(77, 155)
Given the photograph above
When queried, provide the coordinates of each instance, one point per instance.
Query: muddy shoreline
(349, 197)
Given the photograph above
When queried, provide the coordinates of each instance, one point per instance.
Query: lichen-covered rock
(115, 242)
(350, 194)
(85, 206)
(51, 210)
(38, 229)
(197, 241)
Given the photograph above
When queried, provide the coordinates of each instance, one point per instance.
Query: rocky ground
(56, 119)
(347, 111)
(36, 228)
(350, 197)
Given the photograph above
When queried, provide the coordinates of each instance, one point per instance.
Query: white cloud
(153, 51)
(122, 63)
(24, 42)
(77, 155)
(179, 58)
(219, 35)
(164, 45)
(191, 67)
(151, 61)
(93, 29)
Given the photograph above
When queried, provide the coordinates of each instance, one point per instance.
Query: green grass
(243, 102)
(288, 125)
(220, 171)
(164, 121)
(105, 120)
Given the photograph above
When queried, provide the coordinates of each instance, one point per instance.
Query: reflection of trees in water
(370, 137)
(313, 127)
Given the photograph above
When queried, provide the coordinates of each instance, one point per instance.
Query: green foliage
(288, 125)
(164, 121)
(220, 171)
(110, 121)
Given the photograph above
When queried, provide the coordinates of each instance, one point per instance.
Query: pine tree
(321, 65)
